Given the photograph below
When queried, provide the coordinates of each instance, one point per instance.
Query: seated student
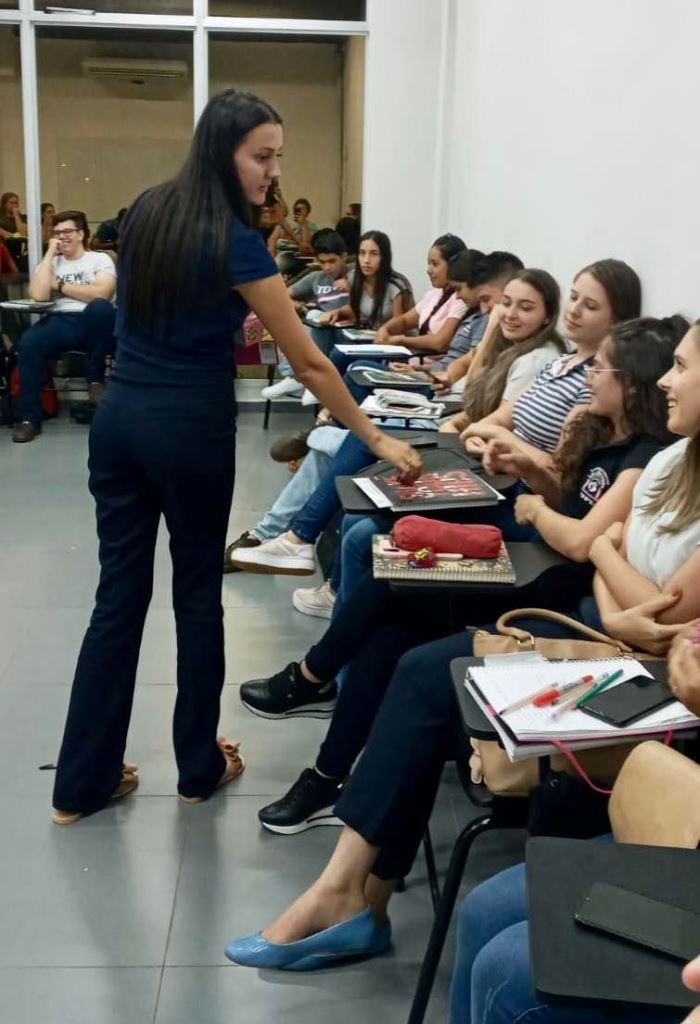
(106, 238)
(597, 464)
(377, 292)
(537, 417)
(331, 452)
(81, 285)
(48, 214)
(7, 264)
(349, 229)
(12, 222)
(525, 341)
(294, 240)
(326, 289)
(607, 291)
(387, 801)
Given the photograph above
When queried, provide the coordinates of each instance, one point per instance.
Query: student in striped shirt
(603, 293)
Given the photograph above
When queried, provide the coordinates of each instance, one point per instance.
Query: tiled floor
(123, 919)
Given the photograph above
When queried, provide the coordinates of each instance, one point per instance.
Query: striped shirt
(539, 413)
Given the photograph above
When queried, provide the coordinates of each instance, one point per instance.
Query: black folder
(571, 962)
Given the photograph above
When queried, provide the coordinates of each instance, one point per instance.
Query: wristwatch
(59, 285)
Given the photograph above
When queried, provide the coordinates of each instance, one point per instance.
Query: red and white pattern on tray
(455, 483)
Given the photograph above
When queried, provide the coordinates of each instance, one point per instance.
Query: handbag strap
(526, 639)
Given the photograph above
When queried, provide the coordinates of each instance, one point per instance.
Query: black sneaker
(290, 448)
(246, 540)
(288, 695)
(308, 803)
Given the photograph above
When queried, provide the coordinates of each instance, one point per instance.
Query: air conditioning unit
(136, 71)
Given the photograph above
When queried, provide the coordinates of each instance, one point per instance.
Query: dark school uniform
(162, 443)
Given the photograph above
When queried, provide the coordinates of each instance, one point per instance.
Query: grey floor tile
(380, 990)
(97, 894)
(107, 995)
(98, 908)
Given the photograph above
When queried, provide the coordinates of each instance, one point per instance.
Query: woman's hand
(637, 626)
(684, 668)
(382, 337)
(402, 367)
(506, 456)
(439, 381)
(476, 446)
(691, 980)
(526, 508)
(407, 461)
(449, 427)
(328, 319)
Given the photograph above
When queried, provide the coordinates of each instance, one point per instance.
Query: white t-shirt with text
(81, 271)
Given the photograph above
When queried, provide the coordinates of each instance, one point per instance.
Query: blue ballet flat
(358, 937)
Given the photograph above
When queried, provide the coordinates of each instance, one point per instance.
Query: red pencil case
(411, 533)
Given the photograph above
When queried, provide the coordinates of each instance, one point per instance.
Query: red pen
(556, 692)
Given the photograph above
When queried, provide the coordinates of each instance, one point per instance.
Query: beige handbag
(489, 763)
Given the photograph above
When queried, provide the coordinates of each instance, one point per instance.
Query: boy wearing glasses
(81, 284)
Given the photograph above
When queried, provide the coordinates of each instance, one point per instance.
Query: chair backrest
(656, 799)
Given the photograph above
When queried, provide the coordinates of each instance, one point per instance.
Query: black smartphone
(629, 701)
(640, 920)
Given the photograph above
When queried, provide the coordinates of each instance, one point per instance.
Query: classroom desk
(530, 559)
(571, 962)
(356, 502)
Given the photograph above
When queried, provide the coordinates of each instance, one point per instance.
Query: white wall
(404, 68)
(574, 137)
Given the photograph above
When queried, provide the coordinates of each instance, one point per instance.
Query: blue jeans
(353, 455)
(355, 555)
(91, 331)
(492, 982)
(323, 338)
(300, 487)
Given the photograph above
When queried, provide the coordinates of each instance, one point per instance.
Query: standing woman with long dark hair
(163, 443)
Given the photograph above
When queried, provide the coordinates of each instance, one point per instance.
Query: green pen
(599, 687)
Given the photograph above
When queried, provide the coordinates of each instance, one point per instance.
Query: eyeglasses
(65, 233)
(593, 371)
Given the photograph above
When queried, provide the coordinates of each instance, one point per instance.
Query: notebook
(376, 351)
(397, 378)
(388, 402)
(27, 305)
(358, 334)
(447, 570)
(529, 731)
(456, 487)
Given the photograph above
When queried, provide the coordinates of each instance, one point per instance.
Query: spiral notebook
(466, 570)
(529, 731)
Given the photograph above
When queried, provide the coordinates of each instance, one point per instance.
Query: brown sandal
(235, 765)
(128, 783)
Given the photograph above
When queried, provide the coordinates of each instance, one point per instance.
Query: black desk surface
(355, 502)
(358, 377)
(475, 722)
(571, 962)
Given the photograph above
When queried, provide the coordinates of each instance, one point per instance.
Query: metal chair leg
(443, 916)
(432, 869)
(268, 403)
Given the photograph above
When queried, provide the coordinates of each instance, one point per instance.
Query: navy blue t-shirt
(198, 349)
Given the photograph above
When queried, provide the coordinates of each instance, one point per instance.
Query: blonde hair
(679, 490)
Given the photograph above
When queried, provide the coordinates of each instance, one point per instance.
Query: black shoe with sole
(289, 449)
(246, 540)
(308, 803)
(289, 695)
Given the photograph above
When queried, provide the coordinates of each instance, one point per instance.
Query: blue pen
(599, 687)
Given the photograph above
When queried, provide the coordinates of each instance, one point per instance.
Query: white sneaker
(308, 398)
(277, 556)
(316, 601)
(282, 388)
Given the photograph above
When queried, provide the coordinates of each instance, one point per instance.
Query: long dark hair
(385, 277)
(175, 238)
(483, 395)
(641, 352)
(448, 246)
